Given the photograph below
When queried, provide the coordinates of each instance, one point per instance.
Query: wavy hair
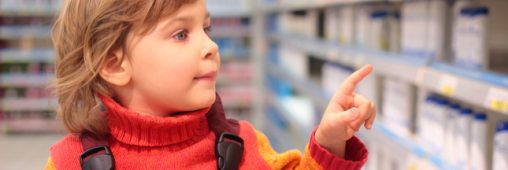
(84, 35)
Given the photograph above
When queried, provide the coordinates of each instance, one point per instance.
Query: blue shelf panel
(25, 80)
(230, 32)
(28, 10)
(290, 134)
(26, 104)
(307, 4)
(414, 147)
(34, 55)
(483, 89)
(474, 75)
(473, 86)
(229, 8)
(395, 65)
(307, 87)
(285, 119)
(16, 32)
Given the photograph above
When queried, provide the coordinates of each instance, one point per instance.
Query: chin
(205, 99)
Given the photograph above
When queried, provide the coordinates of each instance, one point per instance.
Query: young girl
(136, 79)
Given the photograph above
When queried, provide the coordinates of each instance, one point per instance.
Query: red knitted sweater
(186, 142)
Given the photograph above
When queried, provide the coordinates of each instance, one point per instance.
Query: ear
(116, 70)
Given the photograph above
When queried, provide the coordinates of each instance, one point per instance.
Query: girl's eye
(181, 36)
(208, 29)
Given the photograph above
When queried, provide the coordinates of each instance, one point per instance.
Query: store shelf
(278, 104)
(227, 80)
(312, 89)
(229, 8)
(320, 49)
(27, 12)
(394, 65)
(307, 87)
(408, 69)
(25, 104)
(277, 133)
(236, 97)
(12, 55)
(304, 5)
(295, 135)
(235, 56)
(24, 80)
(230, 32)
(480, 88)
(12, 8)
(18, 32)
(230, 13)
(384, 137)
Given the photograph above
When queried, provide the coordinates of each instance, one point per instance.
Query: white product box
(294, 60)
(478, 147)
(500, 158)
(397, 105)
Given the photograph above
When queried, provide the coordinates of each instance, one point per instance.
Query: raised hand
(345, 114)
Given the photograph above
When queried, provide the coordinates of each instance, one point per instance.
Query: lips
(210, 76)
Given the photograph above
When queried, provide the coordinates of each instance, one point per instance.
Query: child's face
(174, 67)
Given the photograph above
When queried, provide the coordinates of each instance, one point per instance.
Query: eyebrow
(181, 19)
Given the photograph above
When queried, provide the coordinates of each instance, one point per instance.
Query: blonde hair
(84, 34)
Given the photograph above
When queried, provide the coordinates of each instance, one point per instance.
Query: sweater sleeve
(315, 156)
(50, 165)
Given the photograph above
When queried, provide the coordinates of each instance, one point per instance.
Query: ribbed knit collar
(133, 128)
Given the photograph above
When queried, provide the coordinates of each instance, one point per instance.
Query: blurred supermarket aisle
(25, 152)
(440, 81)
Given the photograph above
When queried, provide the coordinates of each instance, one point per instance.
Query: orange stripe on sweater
(291, 159)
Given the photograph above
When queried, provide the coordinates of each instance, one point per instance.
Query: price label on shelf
(448, 85)
(497, 100)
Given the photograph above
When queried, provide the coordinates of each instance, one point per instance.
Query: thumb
(348, 116)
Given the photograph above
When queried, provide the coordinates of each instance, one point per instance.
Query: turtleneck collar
(133, 128)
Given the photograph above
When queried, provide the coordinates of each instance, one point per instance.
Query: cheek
(180, 72)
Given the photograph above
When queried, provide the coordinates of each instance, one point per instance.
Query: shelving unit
(380, 132)
(289, 5)
(26, 59)
(482, 90)
(422, 72)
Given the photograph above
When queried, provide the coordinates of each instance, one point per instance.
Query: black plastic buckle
(229, 151)
(100, 161)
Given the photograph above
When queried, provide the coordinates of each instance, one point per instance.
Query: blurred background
(440, 81)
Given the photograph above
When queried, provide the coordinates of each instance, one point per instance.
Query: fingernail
(354, 113)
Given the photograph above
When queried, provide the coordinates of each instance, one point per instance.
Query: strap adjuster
(99, 161)
(229, 151)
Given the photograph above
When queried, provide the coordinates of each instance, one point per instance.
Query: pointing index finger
(349, 85)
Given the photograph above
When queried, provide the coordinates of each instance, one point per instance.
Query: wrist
(334, 146)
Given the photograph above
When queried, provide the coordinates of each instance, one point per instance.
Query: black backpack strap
(96, 155)
(228, 146)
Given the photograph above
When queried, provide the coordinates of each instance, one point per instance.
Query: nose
(211, 49)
